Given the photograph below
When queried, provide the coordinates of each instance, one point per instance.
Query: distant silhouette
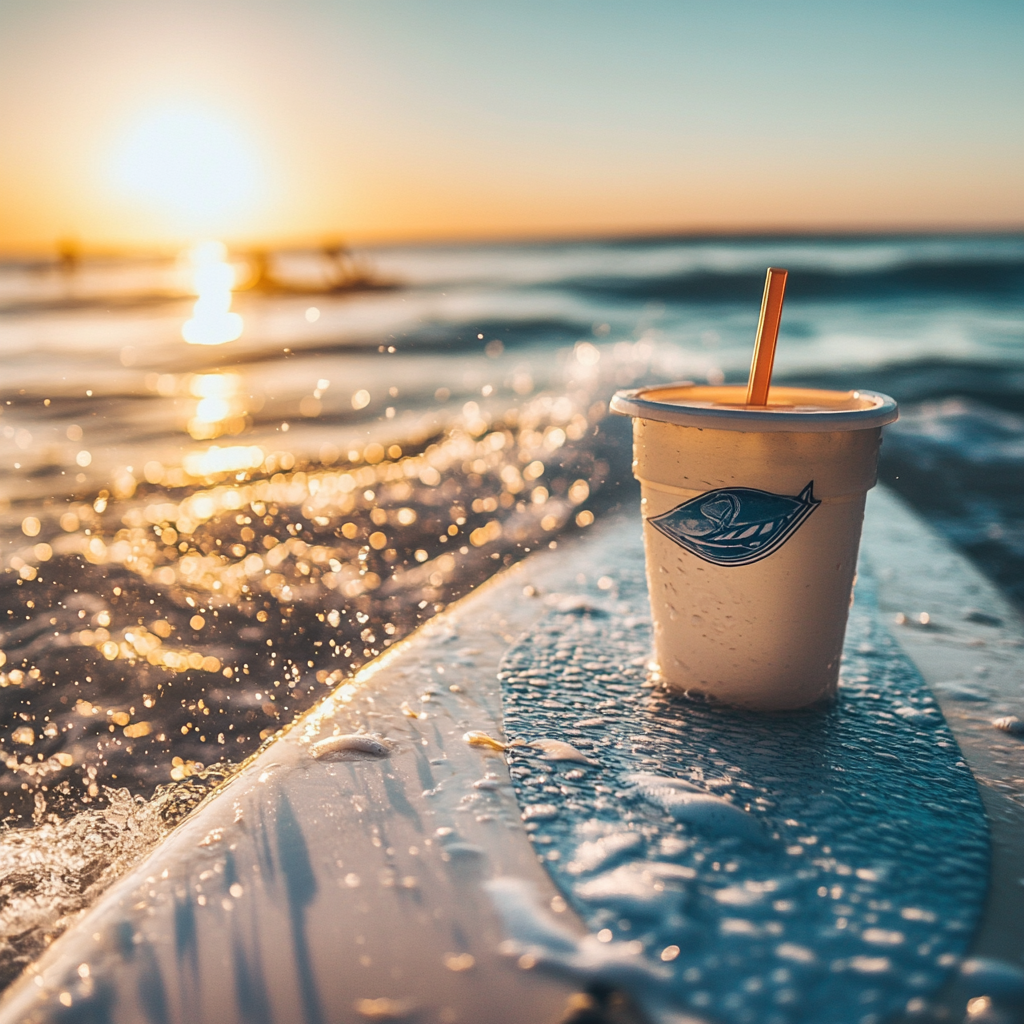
(343, 271)
(69, 256)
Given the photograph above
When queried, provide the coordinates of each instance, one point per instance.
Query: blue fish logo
(736, 525)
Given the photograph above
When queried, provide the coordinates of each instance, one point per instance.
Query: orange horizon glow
(171, 247)
(379, 210)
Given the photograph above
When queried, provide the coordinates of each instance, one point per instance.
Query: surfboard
(499, 820)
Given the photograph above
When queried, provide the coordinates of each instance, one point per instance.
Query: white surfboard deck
(313, 889)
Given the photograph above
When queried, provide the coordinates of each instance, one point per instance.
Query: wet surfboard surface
(375, 861)
(826, 865)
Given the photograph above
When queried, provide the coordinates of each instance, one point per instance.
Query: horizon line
(82, 249)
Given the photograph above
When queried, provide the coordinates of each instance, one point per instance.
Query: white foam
(598, 853)
(635, 887)
(704, 812)
(539, 812)
(558, 750)
(533, 930)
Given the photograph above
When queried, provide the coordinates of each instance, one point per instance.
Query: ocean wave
(956, 453)
(960, 462)
(991, 279)
(997, 384)
(451, 336)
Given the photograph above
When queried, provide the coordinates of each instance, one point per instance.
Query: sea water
(198, 540)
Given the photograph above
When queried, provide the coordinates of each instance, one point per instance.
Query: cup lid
(722, 407)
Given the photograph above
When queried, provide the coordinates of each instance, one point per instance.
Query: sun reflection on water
(221, 407)
(212, 322)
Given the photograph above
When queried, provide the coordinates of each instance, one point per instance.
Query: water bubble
(459, 962)
(703, 811)
(354, 747)
(539, 812)
(559, 750)
(384, 1008)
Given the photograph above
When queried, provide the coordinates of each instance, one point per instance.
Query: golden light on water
(213, 278)
(216, 460)
(220, 409)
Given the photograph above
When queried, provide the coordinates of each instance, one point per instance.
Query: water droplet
(358, 746)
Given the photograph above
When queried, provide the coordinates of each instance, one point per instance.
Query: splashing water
(57, 867)
(152, 634)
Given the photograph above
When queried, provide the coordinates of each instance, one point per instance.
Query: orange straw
(767, 334)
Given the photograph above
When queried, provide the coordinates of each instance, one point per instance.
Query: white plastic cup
(752, 522)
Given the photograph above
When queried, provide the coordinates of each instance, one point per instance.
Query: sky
(147, 123)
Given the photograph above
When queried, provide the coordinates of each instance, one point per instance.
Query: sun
(192, 165)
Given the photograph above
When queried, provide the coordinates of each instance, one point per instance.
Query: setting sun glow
(190, 164)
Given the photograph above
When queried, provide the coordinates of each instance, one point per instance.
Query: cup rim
(641, 403)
